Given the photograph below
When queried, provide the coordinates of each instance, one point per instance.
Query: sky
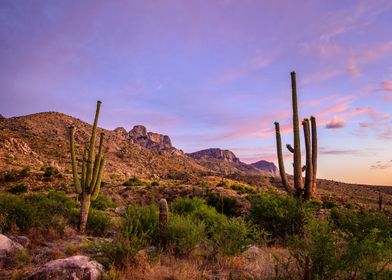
(212, 73)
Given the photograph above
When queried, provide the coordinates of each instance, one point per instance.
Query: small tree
(92, 169)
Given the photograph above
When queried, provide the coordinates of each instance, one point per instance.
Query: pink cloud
(336, 122)
(321, 76)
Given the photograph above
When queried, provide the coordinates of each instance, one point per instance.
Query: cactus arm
(83, 176)
(308, 188)
(90, 160)
(282, 171)
(73, 158)
(297, 144)
(290, 148)
(314, 152)
(96, 188)
(97, 160)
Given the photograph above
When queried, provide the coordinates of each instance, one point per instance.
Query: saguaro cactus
(92, 169)
(379, 201)
(308, 190)
(163, 218)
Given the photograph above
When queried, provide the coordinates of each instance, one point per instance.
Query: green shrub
(50, 172)
(243, 189)
(10, 175)
(154, 183)
(102, 203)
(18, 189)
(25, 171)
(51, 210)
(222, 184)
(223, 204)
(132, 182)
(184, 233)
(329, 204)
(186, 205)
(98, 222)
(278, 214)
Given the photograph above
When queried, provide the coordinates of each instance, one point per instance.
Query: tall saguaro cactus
(163, 218)
(92, 169)
(308, 190)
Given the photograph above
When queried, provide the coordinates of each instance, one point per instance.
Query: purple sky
(211, 73)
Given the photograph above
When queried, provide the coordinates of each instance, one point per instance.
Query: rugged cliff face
(216, 153)
(150, 140)
(266, 166)
(226, 162)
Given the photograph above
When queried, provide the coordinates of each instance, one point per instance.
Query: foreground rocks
(72, 268)
(8, 250)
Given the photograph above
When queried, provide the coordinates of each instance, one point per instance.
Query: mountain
(226, 162)
(266, 166)
(42, 139)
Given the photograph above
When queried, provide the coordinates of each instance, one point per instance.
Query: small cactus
(163, 218)
(92, 169)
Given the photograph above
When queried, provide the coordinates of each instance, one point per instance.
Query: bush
(223, 204)
(132, 182)
(154, 183)
(184, 234)
(50, 172)
(278, 214)
(228, 235)
(25, 171)
(186, 205)
(222, 184)
(18, 189)
(102, 203)
(10, 175)
(329, 204)
(98, 222)
(243, 189)
(47, 211)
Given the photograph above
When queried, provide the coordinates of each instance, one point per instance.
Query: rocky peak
(266, 166)
(1, 117)
(151, 140)
(216, 153)
(121, 131)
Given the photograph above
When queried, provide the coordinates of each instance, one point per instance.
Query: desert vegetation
(189, 225)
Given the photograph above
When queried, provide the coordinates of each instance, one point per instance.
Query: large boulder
(8, 249)
(72, 268)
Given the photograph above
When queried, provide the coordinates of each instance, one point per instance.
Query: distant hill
(42, 140)
(226, 162)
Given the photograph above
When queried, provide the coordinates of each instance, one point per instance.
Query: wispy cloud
(381, 165)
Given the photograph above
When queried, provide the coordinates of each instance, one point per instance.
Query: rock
(72, 268)
(120, 209)
(151, 140)
(2, 117)
(121, 131)
(8, 249)
(22, 240)
(266, 166)
(253, 253)
(138, 131)
(216, 153)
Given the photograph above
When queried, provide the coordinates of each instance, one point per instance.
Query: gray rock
(76, 267)
(8, 249)
(121, 131)
(266, 166)
(215, 153)
(22, 240)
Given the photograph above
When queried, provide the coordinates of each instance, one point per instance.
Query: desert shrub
(16, 211)
(202, 184)
(51, 210)
(10, 175)
(228, 235)
(353, 245)
(312, 205)
(223, 204)
(25, 171)
(18, 189)
(133, 182)
(183, 233)
(50, 172)
(222, 184)
(243, 189)
(154, 183)
(329, 204)
(186, 205)
(278, 214)
(98, 222)
(102, 203)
